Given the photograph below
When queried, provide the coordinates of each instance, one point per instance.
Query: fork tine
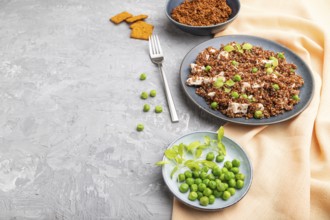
(150, 46)
(158, 44)
(154, 45)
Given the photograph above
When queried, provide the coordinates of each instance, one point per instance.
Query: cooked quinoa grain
(246, 80)
(202, 12)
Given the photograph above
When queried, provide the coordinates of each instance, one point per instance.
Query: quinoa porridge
(242, 80)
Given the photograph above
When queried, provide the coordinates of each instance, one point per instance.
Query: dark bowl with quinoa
(202, 17)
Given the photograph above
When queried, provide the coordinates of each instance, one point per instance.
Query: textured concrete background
(69, 105)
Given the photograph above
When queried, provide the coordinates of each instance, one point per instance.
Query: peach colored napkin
(291, 160)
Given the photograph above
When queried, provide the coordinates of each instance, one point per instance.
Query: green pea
(140, 127)
(144, 95)
(208, 68)
(231, 190)
(216, 171)
(224, 170)
(221, 187)
(280, 55)
(269, 70)
(188, 174)
(235, 95)
(276, 87)
(192, 196)
(218, 181)
(211, 199)
(296, 97)
(184, 187)
(237, 78)
(158, 109)
(194, 188)
(222, 177)
(205, 169)
(198, 181)
(199, 195)
(201, 187)
(232, 183)
(210, 156)
(228, 164)
(203, 175)
(153, 93)
(214, 105)
(207, 192)
(292, 70)
(195, 174)
(239, 184)
(143, 76)
(254, 70)
(217, 193)
(235, 170)
(240, 176)
(219, 158)
(236, 163)
(212, 184)
(229, 175)
(226, 195)
(181, 177)
(206, 181)
(235, 63)
(204, 201)
(258, 114)
(211, 176)
(190, 181)
(146, 107)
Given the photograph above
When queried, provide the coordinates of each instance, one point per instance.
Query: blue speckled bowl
(203, 30)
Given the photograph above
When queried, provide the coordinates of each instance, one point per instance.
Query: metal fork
(157, 57)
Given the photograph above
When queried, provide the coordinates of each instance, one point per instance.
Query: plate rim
(223, 117)
(205, 208)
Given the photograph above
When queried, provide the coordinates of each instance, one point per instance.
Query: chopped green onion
(276, 87)
(218, 83)
(235, 63)
(244, 96)
(280, 55)
(227, 90)
(269, 70)
(275, 61)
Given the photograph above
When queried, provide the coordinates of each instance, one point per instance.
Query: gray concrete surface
(69, 105)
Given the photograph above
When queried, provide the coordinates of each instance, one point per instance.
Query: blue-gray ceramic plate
(306, 91)
(234, 151)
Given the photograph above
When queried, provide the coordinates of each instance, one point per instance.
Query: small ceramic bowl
(203, 30)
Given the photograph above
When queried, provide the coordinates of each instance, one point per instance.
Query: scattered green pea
(235, 63)
(204, 201)
(258, 114)
(254, 70)
(140, 127)
(181, 177)
(276, 87)
(146, 107)
(153, 93)
(210, 156)
(184, 187)
(144, 95)
(158, 109)
(143, 76)
(208, 68)
(192, 196)
(269, 70)
(236, 163)
(237, 78)
(219, 158)
(214, 105)
(235, 95)
(296, 97)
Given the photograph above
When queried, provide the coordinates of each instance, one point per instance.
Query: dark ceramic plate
(306, 92)
(234, 151)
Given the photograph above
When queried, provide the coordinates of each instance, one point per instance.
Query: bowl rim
(203, 27)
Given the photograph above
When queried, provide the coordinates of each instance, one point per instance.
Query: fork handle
(169, 98)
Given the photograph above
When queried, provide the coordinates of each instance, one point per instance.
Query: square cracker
(120, 17)
(136, 18)
(141, 30)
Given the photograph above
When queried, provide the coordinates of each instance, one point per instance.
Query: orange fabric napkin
(291, 160)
